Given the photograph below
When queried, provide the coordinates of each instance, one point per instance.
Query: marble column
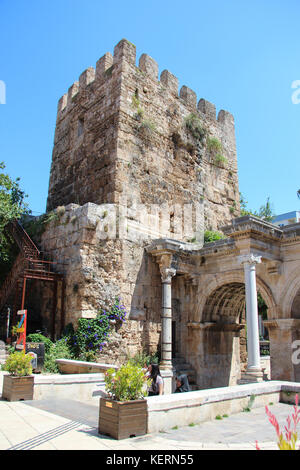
(253, 366)
(166, 318)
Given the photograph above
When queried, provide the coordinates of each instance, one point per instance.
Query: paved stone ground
(70, 425)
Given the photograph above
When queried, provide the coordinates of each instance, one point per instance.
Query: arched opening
(224, 334)
(226, 304)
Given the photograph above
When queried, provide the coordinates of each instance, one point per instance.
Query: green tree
(265, 211)
(243, 206)
(12, 205)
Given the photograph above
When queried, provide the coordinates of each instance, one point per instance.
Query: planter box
(17, 388)
(121, 420)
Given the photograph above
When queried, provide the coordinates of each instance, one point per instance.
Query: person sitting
(157, 384)
(182, 384)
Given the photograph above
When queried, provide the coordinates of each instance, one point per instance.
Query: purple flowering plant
(92, 334)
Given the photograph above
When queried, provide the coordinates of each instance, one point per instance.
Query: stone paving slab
(71, 425)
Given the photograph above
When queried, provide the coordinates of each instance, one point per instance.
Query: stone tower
(122, 132)
(133, 160)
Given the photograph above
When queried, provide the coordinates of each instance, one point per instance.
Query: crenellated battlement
(123, 58)
(128, 130)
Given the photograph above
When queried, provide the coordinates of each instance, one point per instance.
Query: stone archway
(225, 304)
(221, 313)
(223, 321)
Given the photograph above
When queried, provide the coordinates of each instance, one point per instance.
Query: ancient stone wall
(133, 160)
(124, 136)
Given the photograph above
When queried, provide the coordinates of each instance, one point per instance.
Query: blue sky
(241, 55)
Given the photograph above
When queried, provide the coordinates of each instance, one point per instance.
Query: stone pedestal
(251, 376)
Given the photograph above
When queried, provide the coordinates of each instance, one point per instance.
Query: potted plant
(124, 413)
(18, 385)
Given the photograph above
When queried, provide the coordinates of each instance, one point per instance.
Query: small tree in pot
(18, 385)
(124, 413)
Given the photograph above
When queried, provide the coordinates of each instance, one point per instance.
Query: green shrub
(142, 358)
(58, 350)
(39, 338)
(127, 383)
(215, 148)
(194, 125)
(88, 356)
(18, 364)
(214, 145)
(212, 236)
(220, 159)
(35, 226)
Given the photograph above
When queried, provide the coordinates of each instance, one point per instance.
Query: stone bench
(81, 387)
(69, 366)
(182, 409)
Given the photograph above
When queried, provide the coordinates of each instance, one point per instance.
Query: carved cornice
(253, 227)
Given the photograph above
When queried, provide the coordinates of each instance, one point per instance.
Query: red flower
(273, 421)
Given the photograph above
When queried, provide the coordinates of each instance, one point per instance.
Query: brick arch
(226, 292)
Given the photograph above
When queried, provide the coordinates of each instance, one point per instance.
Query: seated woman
(157, 384)
(182, 384)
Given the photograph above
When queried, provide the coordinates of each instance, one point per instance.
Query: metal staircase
(29, 264)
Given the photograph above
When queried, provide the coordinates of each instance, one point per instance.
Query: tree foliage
(265, 211)
(12, 205)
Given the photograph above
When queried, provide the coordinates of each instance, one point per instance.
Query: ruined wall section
(164, 159)
(125, 137)
(99, 267)
(84, 153)
(124, 134)
(162, 156)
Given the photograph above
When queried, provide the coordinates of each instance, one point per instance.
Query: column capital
(167, 274)
(249, 259)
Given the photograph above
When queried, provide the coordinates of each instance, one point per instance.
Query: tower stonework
(121, 133)
(133, 160)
